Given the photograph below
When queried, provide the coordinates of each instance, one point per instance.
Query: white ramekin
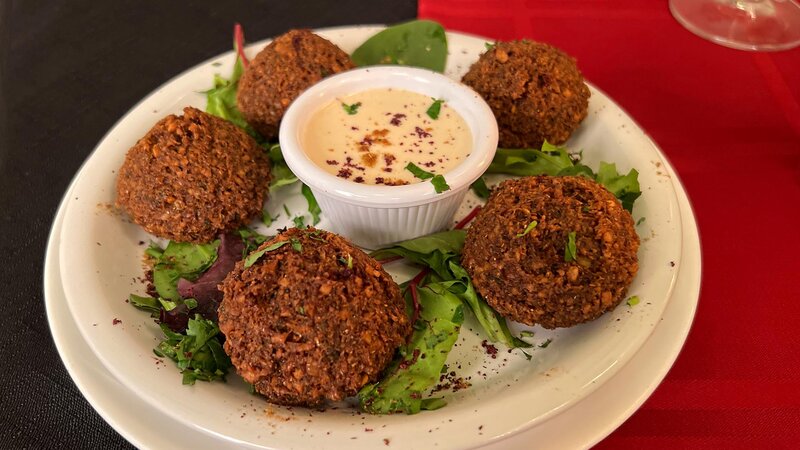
(370, 215)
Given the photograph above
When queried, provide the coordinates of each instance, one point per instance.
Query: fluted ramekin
(375, 215)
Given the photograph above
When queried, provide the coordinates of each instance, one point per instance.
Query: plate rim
(527, 424)
(518, 440)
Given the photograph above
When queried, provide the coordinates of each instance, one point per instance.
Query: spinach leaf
(480, 189)
(420, 43)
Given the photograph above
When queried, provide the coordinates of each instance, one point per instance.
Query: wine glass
(743, 24)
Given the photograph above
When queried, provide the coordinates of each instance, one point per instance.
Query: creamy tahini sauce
(388, 129)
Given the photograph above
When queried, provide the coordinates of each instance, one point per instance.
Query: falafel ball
(535, 90)
(289, 65)
(192, 177)
(527, 276)
(311, 321)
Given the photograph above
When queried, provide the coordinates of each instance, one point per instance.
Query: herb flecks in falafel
(528, 280)
(303, 326)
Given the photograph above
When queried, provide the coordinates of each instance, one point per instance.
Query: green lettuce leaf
(441, 253)
(281, 174)
(181, 260)
(221, 99)
(198, 353)
(420, 362)
(556, 161)
(432, 251)
(313, 206)
(480, 189)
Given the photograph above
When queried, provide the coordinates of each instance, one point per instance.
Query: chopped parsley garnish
(639, 222)
(437, 181)
(633, 301)
(433, 110)
(417, 172)
(251, 239)
(571, 250)
(299, 221)
(351, 109)
(439, 184)
(528, 229)
(528, 356)
(347, 261)
(190, 303)
(198, 353)
(255, 256)
(488, 45)
(526, 333)
(286, 210)
(315, 235)
(267, 218)
(545, 343)
(296, 245)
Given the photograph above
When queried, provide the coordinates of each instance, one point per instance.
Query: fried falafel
(192, 177)
(522, 269)
(535, 90)
(311, 321)
(281, 71)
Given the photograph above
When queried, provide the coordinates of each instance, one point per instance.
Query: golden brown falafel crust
(289, 65)
(536, 92)
(193, 177)
(526, 278)
(305, 326)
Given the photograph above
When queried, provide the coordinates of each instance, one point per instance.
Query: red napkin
(729, 121)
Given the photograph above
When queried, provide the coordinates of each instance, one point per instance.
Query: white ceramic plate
(100, 256)
(599, 413)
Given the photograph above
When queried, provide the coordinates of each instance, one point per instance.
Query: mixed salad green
(183, 296)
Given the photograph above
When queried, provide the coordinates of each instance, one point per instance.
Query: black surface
(68, 71)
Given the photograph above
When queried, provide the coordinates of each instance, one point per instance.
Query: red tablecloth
(730, 123)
